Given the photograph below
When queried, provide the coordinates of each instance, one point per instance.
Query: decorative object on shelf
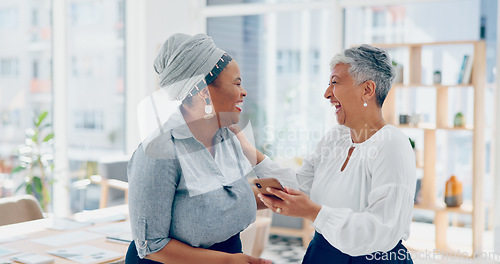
(418, 154)
(399, 72)
(453, 194)
(436, 77)
(466, 70)
(412, 143)
(459, 120)
(404, 119)
(36, 158)
(472, 61)
(415, 119)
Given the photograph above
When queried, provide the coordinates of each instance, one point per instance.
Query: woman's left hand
(293, 203)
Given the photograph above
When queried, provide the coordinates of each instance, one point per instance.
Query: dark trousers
(320, 251)
(232, 245)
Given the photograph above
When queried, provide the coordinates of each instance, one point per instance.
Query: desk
(38, 228)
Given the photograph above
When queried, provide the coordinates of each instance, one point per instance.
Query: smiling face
(345, 95)
(227, 94)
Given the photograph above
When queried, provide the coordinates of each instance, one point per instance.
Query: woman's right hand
(241, 258)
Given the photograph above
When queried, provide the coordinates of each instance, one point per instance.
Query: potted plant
(459, 120)
(36, 160)
(418, 153)
(399, 72)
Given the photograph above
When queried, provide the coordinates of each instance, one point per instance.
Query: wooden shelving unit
(428, 190)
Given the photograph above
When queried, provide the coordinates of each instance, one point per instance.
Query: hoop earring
(208, 109)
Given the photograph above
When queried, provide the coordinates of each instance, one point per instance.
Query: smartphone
(263, 183)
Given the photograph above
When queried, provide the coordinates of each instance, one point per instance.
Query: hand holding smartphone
(262, 185)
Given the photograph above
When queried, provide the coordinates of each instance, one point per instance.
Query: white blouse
(368, 206)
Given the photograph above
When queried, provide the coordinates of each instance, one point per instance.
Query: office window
(25, 77)
(9, 17)
(288, 61)
(89, 120)
(35, 69)
(96, 54)
(9, 68)
(87, 13)
(34, 17)
(283, 58)
(87, 66)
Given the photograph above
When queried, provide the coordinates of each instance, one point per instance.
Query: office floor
(284, 250)
(289, 250)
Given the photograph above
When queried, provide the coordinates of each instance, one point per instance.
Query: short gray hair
(368, 63)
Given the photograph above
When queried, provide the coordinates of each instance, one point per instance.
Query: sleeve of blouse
(152, 186)
(390, 206)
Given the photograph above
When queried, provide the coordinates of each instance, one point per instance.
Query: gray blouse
(178, 190)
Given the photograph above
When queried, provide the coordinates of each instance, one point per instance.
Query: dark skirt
(321, 251)
(232, 245)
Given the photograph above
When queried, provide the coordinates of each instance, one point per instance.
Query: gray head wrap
(183, 61)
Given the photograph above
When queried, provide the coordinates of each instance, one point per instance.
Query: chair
(112, 179)
(106, 184)
(18, 209)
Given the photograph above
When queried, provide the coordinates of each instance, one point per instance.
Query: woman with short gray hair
(357, 187)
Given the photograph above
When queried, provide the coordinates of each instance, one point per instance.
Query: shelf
(438, 86)
(429, 191)
(403, 45)
(465, 208)
(433, 127)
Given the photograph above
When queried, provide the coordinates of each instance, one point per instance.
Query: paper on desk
(67, 238)
(112, 229)
(32, 258)
(103, 218)
(62, 224)
(124, 238)
(12, 238)
(7, 251)
(86, 254)
(5, 261)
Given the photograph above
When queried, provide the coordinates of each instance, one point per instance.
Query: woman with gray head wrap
(358, 186)
(188, 194)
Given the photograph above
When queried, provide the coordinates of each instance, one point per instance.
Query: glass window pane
(281, 57)
(95, 88)
(25, 79)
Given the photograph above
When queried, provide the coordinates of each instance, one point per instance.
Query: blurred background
(72, 73)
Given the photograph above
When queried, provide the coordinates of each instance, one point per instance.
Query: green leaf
(48, 137)
(17, 169)
(35, 136)
(40, 118)
(20, 186)
(38, 184)
(29, 188)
